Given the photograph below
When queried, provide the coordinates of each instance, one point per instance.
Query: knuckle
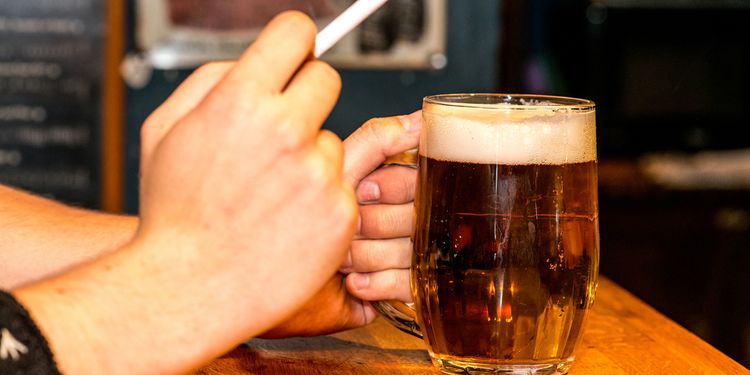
(290, 140)
(340, 221)
(150, 127)
(393, 280)
(330, 136)
(356, 249)
(408, 183)
(237, 104)
(147, 126)
(367, 222)
(368, 258)
(286, 132)
(318, 83)
(331, 76)
(300, 22)
(402, 285)
(346, 211)
(384, 222)
(260, 54)
(375, 129)
(332, 144)
(212, 69)
(318, 175)
(370, 125)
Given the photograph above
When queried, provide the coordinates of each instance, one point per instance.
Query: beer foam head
(537, 133)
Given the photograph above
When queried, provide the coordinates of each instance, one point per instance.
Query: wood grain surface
(623, 335)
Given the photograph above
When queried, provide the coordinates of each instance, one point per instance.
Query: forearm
(141, 311)
(42, 237)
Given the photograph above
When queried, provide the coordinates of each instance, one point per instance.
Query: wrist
(23, 349)
(116, 315)
(159, 305)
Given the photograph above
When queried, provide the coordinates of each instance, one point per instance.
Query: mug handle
(401, 315)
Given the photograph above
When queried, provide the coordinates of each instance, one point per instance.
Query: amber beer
(506, 246)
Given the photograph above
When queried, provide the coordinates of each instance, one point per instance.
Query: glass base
(457, 366)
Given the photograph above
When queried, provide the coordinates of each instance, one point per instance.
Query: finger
(378, 255)
(371, 144)
(183, 100)
(357, 313)
(385, 221)
(315, 89)
(388, 185)
(330, 147)
(378, 286)
(331, 310)
(276, 55)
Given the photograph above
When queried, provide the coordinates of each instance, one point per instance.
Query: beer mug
(506, 237)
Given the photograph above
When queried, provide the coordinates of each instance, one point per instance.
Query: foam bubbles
(509, 136)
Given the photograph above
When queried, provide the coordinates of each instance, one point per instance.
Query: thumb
(370, 145)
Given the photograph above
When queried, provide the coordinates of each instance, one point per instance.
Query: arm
(217, 257)
(42, 237)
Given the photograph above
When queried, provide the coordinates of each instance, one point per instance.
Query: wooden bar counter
(623, 335)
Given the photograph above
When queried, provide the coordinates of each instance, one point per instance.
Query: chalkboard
(51, 69)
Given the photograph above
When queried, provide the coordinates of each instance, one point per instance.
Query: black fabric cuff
(23, 349)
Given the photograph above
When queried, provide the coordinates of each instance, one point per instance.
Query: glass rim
(535, 101)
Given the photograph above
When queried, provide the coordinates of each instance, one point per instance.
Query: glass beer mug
(506, 238)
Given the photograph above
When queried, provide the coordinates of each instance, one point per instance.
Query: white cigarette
(344, 23)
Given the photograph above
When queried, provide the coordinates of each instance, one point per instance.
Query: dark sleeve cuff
(23, 349)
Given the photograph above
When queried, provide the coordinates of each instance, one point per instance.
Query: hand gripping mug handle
(401, 315)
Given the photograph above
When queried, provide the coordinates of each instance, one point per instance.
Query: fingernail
(361, 281)
(368, 192)
(413, 122)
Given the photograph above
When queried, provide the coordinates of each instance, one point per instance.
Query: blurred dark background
(473, 34)
(668, 77)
